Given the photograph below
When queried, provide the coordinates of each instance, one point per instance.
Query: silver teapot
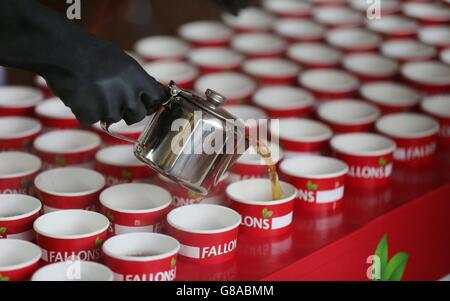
(174, 142)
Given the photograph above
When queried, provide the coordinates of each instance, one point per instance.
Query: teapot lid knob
(215, 97)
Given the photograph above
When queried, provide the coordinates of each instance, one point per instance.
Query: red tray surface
(262, 258)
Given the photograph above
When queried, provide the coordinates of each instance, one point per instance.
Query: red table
(414, 212)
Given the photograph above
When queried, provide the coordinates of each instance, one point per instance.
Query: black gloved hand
(95, 79)
(232, 6)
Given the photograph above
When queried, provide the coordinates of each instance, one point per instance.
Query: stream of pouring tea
(264, 151)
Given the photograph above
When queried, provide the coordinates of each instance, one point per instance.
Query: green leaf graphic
(382, 253)
(24, 183)
(3, 230)
(266, 213)
(127, 175)
(395, 267)
(26, 142)
(110, 216)
(4, 278)
(59, 161)
(382, 162)
(173, 262)
(98, 242)
(312, 186)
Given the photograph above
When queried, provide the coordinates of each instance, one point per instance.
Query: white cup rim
(445, 56)
(393, 24)
(249, 18)
(172, 248)
(343, 144)
(96, 181)
(88, 141)
(370, 64)
(283, 98)
(54, 108)
(394, 125)
(35, 164)
(115, 156)
(293, 28)
(205, 30)
(161, 46)
(51, 269)
(405, 49)
(427, 72)
(232, 85)
(330, 15)
(167, 70)
(153, 192)
(426, 11)
(233, 216)
(337, 80)
(245, 112)
(48, 219)
(234, 192)
(33, 126)
(293, 124)
(40, 81)
(28, 205)
(340, 111)
(287, 6)
(438, 105)
(352, 38)
(294, 167)
(383, 93)
(19, 97)
(362, 5)
(314, 53)
(435, 35)
(256, 43)
(271, 67)
(35, 254)
(215, 57)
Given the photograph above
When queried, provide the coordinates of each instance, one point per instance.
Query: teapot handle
(105, 127)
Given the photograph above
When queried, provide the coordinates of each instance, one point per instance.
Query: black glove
(94, 78)
(232, 6)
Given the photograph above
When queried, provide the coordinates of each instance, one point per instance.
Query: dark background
(124, 21)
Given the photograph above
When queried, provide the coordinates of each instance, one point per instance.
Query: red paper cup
(69, 188)
(119, 165)
(17, 215)
(299, 30)
(429, 77)
(184, 74)
(135, 207)
(315, 55)
(206, 33)
(53, 113)
(211, 60)
(161, 48)
(338, 17)
(182, 197)
(387, 7)
(237, 88)
(445, 56)
(415, 135)
(408, 51)
(259, 45)
(250, 19)
(19, 259)
(131, 131)
(329, 84)
(438, 107)
(352, 40)
(207, 233)
(252, 166)
(18, 133)
(437, 36)
(248, 114)
(369, 157)
(348, 116)
(288, 8)
(394, 27)
(272, 71)
(142, 257)
(71, 234)
(320, 181)
(301, 136)
(73, 271)
(371, 67)
(284, 102)
(67, 148)
(17, 172)
(18, 100)
(42, 85)
(390, 97)
(427, 13)
(261, 215)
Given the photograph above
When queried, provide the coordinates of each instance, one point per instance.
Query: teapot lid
(210, 104)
